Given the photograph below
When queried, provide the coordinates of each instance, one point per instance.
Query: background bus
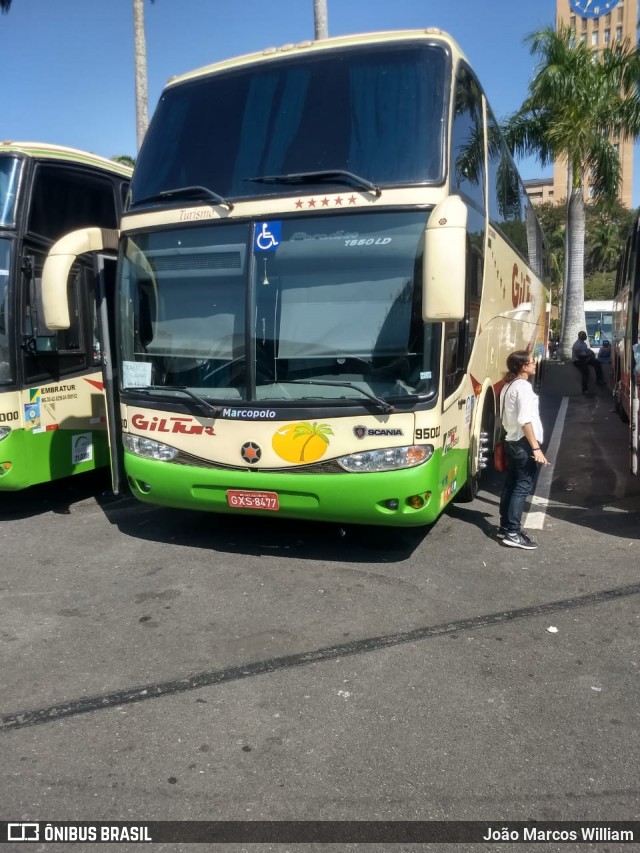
(327, 257)
(625, 360)
(598, 315)
(52, 406)
(598, 319)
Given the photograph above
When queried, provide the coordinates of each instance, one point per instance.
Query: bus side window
(459, 337)
(49, 355)
(474, 273)
(475, 276)
(468, 171)
(45, 339)
(467, 143)
(65, 199)
(453, 356)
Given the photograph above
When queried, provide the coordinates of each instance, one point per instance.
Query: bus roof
(316, 47)
(598, 304)
(46, 151)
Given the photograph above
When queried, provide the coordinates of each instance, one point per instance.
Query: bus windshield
(311, 309)
(5, 316)
(376, 112)
(9, 174)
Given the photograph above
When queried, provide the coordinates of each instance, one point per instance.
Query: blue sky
(68, 64)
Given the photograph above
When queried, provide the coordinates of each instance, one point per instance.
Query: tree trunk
(574, 285)
(140, 60)
(321, 19)
(567, 252)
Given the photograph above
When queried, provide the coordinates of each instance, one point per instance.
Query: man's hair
(582, 336)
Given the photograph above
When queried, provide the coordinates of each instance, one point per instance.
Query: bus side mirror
(445, 262)
(55, 274)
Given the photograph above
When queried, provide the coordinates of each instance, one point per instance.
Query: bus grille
(329, 467)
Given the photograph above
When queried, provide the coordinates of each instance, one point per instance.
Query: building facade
(539, 190)
(600, 23)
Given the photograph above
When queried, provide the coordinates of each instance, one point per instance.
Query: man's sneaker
(519, 540)
(501, 533)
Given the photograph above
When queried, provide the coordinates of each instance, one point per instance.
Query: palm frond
(604, 168)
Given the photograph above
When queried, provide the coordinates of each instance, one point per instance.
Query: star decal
(338, 201)
(250, 452)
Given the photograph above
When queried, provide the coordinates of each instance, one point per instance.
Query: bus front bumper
(405, 498)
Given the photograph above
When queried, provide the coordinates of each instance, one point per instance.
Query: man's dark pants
(583, 366)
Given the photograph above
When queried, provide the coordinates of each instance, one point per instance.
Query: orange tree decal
(302, 442)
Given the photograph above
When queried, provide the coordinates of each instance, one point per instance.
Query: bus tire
(480, 454)
(470, 487)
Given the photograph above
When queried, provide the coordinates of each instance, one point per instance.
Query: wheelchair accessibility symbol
(268, 236)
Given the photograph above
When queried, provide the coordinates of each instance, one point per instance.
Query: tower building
(600, 23)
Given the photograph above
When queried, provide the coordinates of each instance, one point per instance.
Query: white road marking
(535, 517)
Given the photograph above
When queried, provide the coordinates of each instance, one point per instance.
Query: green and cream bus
(326, 257)
(52, 401)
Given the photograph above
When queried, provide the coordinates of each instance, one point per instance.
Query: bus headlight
(148, 448)
(386, 459)
(4, 432)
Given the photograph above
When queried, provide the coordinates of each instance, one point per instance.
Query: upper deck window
(64, 199)
(375, 111)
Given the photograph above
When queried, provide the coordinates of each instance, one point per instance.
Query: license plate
(241, 499)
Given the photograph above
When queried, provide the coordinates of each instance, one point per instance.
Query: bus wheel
(470, 489)
(479, 453)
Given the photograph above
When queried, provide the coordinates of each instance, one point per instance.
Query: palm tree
(603, 245)
(140, 61)
(140, 71)
(314, 430)
(576, 100)
(4, 5)
(320, 19)
(125, 159)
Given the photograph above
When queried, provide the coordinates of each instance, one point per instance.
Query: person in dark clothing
(604, 355)
(583, 358)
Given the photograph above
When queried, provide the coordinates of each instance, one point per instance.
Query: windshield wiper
(149, 389)
(337, 175)
(195, 193)
(382, 404)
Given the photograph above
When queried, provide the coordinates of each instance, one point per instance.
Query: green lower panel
(351, 498)
(28, 458)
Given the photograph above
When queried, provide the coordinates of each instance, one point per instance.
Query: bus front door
(105, 271)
